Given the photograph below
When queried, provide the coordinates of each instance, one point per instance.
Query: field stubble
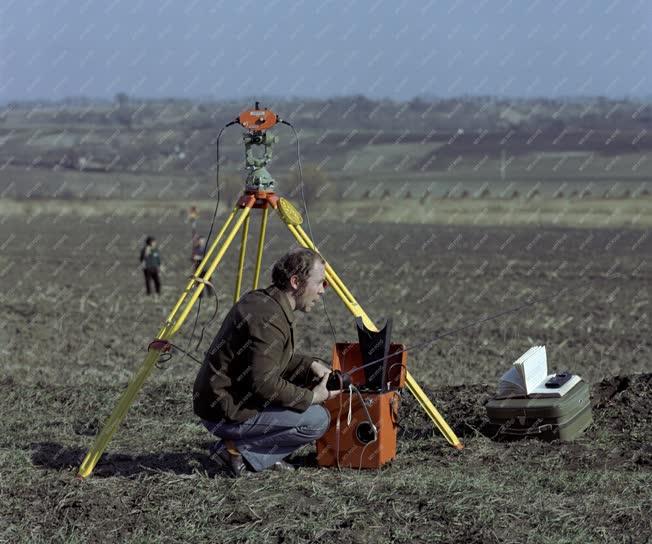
(76, 325)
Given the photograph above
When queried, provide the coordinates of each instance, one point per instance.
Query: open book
(528, 377)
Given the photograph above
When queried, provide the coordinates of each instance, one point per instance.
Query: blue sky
(397, 49)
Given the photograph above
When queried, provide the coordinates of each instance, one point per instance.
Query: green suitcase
(560, 418)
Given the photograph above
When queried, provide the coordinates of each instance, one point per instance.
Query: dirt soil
(76, 325)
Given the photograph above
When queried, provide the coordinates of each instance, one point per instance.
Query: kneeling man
(253, 391)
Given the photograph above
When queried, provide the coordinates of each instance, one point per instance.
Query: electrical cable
(170, 355)
(366, 411)
(207, 244)
(323, 300)
(301, 184)
(210, 320)
(305, 208)
(323, 304)
(469, 325)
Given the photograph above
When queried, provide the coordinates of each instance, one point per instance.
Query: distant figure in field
(151, 261)
(193, 215)
(198, 252)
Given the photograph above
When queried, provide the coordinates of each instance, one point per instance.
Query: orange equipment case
(357, 445)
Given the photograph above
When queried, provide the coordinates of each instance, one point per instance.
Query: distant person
(198, 252)
(193, 215)
(151, 261)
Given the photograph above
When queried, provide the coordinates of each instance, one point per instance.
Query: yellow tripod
(239, 219)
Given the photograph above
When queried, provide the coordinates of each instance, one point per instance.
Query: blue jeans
(272, 434)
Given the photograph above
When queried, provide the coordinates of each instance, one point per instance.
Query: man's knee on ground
(316, 421)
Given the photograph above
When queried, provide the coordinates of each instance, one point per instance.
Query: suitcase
(560, 418)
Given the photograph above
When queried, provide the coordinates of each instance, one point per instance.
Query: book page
(511, 385)
(533, 367)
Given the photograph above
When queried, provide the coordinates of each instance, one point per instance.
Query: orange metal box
(358, 445)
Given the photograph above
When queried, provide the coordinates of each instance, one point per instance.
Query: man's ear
(294, 282)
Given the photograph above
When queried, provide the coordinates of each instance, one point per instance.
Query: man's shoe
(283, 466)
(234, 465)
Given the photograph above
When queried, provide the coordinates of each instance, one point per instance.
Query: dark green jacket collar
(283, 301)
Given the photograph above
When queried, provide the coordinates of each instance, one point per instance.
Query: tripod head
(257, 121)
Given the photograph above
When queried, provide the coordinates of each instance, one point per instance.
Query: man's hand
(320, 393)
(319, 369)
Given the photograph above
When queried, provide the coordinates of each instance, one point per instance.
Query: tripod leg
(241, 260)
(166, 332)
(118, 414)
(213, 265)
(357, 311)
(340, 283)
(261, 246)
(202, 265)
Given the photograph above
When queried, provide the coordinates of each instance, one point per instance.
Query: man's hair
(297, 262)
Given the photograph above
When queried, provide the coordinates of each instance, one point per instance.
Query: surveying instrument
(259, 194)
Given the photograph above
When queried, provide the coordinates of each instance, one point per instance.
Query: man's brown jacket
(251, 363)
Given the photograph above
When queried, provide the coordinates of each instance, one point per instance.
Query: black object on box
(562, 418)
(558, 380)
(338, 381)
